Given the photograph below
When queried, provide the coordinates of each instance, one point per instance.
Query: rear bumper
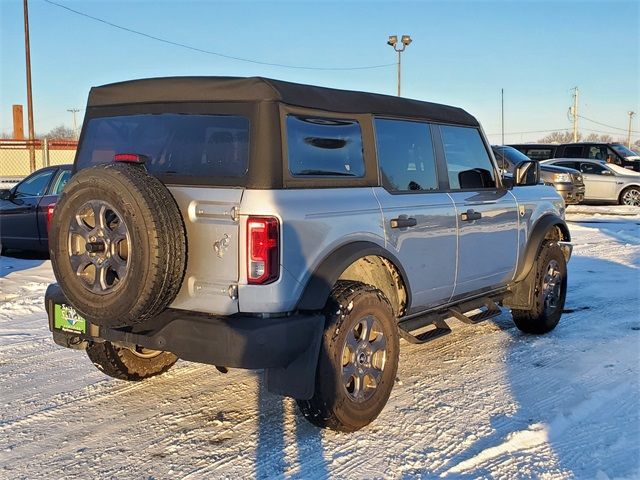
(287, 347)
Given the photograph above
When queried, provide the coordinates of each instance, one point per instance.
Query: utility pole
(631, 114)
(574, 113)
(75, 125)
(502, 95)
(393, 41)
(32, 152)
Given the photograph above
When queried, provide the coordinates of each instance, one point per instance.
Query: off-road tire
(123, 364)
(331, 407)
(630, 196)
(157, 234)
(540, 319)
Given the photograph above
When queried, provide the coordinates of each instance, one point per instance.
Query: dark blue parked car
(27, 208)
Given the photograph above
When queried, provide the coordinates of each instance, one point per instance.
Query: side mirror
(5, 194)
(527, 173)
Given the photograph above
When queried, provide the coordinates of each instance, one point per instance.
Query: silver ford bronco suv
(260, 224)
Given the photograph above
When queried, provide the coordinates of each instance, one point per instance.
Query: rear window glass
(405, 155)
(175, 144)
(324, 147)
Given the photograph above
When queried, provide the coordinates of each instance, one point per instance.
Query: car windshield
(621, 170)
(624, 151)
(514, 156)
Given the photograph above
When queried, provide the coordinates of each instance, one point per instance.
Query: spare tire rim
(363, 359)
(99, 247)
(551, 287)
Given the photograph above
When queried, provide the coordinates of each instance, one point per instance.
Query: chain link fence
(15, 156)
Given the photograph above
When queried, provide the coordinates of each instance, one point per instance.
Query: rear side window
(539, 153)
(468, 162)
(573, 152)
(175, 144)
(324, 147)
(405, 155)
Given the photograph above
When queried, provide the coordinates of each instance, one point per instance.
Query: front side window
(597, 152)
(468, 162)
(592, 168)
(324, 147)
(405, 155)
(34, 186)
(60, 181)
(174, 144)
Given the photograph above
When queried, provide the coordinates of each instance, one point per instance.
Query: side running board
(488, 309)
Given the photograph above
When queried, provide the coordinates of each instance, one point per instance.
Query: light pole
(631, 114)
(405, 40)
(75, 125)
(27, 51)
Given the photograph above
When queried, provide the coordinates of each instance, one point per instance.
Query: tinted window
(592, 168)
(597, 152)
(182, 145)
(405, 155)
(324, 146)
(60, 181)
(539, 153)
(574, 165)
(34, 186)
(573, 152)
(468, 162)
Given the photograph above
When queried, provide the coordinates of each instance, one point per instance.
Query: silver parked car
(604, 181)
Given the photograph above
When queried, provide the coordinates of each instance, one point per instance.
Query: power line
(608, 126)
(210, 52)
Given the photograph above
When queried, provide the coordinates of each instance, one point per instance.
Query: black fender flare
(316, 291)
(538, 233)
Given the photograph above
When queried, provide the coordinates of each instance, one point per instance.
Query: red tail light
(129, 157)
(263, 249)
(50, 208)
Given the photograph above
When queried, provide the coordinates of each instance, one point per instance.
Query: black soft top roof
(258, 89)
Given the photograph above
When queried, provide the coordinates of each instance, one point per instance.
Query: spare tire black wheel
(118, 245)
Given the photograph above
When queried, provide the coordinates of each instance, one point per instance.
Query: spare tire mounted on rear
(118, 244)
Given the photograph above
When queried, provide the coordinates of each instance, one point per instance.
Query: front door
(599, 181)
(487, 216)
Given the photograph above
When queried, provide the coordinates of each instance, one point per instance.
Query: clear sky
(463, 53)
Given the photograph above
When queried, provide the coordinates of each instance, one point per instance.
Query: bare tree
(559, 137)
(61, 132)
(594, 137)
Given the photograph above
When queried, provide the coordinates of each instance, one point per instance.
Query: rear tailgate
(211, 220)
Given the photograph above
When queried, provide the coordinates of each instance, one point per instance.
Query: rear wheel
(358, 359)
(129, 363)
(549, 294)
(630, 196)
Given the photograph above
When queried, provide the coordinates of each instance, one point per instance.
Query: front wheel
(630, 196)
(358, 359)
(129, 363)
(549, 294)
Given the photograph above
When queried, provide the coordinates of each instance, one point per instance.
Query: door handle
(470, 215)
(403, 222)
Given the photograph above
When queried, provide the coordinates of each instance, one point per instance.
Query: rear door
(487, 216)
(419, 217)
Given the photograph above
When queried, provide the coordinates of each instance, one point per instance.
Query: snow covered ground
(483, 402)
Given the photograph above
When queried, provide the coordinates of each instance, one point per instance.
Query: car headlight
(562, 177)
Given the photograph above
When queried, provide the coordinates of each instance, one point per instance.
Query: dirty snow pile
(484, 402)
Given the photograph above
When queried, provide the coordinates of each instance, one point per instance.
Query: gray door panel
(427, 251)
(487, 246)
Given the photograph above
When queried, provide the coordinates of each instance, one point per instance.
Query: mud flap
(298, 379)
